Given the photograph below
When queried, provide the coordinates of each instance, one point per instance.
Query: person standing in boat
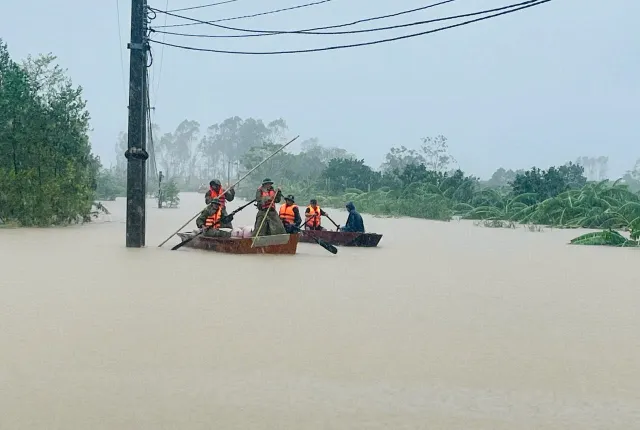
(354, 220)
(290, 215)
(313, 215)
(223, 196)
(211, 219)
(266, 198)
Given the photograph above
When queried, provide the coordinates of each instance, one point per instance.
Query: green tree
(343, 173)
(549, 183)
(47, 171)
(224, 145)
(502, 177)
(398, 158)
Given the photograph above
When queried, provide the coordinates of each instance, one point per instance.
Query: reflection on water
(445, 325)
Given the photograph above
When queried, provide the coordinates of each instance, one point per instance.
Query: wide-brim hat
(290, 198)
(267, 181)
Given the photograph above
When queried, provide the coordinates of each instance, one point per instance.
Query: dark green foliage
(604, 238)
(549, 183)
(417, 183)
(110, 185)
(502, 178)
(47, 171)
(343, 173)
(169, 194)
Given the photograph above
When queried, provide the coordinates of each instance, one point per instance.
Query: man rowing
(313, 215)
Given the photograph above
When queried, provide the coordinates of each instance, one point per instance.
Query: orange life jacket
(287, 214)
(271, 194)
(214, 220)
(219, 194)
(313, 216)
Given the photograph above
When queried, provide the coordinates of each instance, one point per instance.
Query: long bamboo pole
(237, 182)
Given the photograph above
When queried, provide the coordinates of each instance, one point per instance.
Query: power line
(271, 32)
(368, 30)
(203, 6)
(124, 85)
(159, 74)
(353, 45)
(247, 16)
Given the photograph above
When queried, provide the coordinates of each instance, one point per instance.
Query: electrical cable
(149, 125)
(156, 87)
(124, 85)
(203, 6)
(353, 45)
(247, 16)
(368, 30)
(347, 24)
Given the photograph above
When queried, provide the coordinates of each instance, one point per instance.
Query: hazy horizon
(507, 92)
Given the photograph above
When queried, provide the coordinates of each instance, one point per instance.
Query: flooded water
(444, 326)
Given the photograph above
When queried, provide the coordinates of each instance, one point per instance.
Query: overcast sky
(536, 87)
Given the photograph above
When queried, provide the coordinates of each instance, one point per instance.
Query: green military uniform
(229, 195)
(202, 218)
(273, 224)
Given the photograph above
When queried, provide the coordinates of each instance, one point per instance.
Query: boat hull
(239, 245)
(342, 238)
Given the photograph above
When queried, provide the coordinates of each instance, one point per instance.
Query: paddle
(332, 249)
(234, 185)
(334, 223)
(227, 218)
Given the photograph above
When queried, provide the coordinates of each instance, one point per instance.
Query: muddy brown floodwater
(444, 326)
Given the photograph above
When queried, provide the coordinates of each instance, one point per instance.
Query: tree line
(48, 174)
(189, 158)
(426, 182)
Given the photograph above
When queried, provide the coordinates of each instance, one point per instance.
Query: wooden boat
(276, 244)
(343, 238)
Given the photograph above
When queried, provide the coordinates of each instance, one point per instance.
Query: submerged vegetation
(48, 175)
(423, 183)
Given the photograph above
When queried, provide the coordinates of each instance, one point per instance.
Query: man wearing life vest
(266, 199)
(223, 196)
(313, 215)
(290, 215)
(210, 220)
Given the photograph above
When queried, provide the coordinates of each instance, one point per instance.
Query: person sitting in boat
(223, 196)
(354, 220)
(266, 198)
(313, 215)
(290, 215)
(210, 221)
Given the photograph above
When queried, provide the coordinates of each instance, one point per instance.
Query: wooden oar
(334, 223)
(229, 217)
(223, 219)
(332, 249)
(234, 185)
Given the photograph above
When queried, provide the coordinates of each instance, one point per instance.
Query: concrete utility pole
(136, 153)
